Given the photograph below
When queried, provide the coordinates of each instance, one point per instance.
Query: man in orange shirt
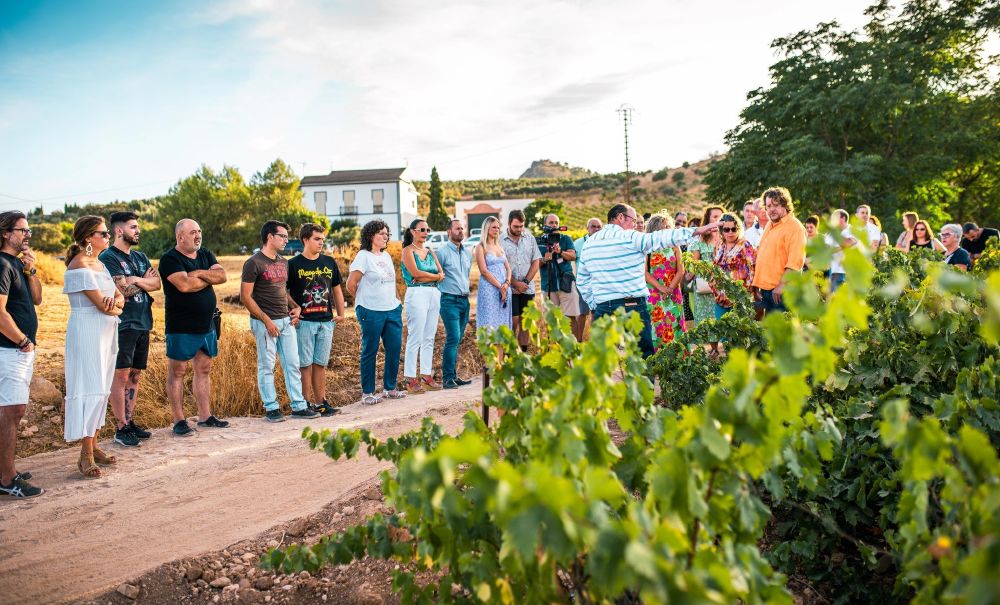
(782, 248)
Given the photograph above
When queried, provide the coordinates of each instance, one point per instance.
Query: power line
(60, 197)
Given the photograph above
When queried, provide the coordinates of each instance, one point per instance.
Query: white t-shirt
(753, 235)
(377, 288)
(837, 262)
(874, 234)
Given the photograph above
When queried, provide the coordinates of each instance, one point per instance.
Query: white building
(362, 196)
(473, 212)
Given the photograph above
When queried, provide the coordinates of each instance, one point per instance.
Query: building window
(349, 206)
(319, 197)
(377, 196)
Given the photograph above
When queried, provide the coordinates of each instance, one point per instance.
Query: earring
(90, 249)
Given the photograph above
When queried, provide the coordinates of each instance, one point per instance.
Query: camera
(551, 237)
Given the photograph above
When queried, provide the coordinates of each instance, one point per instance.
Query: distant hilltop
(547, 169)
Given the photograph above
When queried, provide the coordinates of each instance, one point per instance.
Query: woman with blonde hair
(664, 273)
(91, 341)
(493, 305)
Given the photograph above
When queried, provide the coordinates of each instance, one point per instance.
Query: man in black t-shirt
(135, 278)
(189, 274)
(273, 316)
(20, 292)
(314, 283)
(974, 239)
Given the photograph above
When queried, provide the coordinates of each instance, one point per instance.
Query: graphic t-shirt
(311, 284)
(187, 312)
(138, 311)
(269, 277)
(14, 284)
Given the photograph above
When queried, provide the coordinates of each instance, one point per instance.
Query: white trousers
(423, 307)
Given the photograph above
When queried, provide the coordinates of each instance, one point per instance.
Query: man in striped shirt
(612, 266)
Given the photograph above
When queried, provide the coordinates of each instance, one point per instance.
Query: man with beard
(190, 273)
(135, 278)
(20, 293)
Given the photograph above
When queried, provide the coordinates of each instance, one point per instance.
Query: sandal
(103, 458)
(395, 394)
(91, 471)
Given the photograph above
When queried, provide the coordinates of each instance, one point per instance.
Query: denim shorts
(315, 339)
(183, 347)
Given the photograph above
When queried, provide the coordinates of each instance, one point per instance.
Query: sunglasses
(25, 231)
(422, 230)
(104, 234)
(730, 229)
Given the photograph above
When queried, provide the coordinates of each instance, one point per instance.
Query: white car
(471, 242)
(436, 239)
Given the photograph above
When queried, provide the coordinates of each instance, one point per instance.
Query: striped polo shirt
(612, 262)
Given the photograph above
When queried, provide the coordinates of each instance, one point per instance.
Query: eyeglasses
(422, 230)
(104, 234)
(281, 235)
(385, 233)
(730, 229)
(25, 231)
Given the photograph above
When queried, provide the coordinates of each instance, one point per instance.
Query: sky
(105, 100)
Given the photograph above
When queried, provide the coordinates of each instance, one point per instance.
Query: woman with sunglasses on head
(922, 236)
(736, 256)
(422, 273)
(91, 340)
(372, 282)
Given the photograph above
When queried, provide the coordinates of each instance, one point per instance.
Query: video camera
(551, 237)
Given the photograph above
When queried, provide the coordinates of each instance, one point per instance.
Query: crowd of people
(632, 262)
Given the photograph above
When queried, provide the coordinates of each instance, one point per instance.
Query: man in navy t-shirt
(135, 278)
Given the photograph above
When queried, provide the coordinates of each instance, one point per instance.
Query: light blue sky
(111, 99)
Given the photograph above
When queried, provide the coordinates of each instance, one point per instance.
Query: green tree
(903, 115)
(437, 217)
(219, 201)
(536, 211)
(274, 194)
(51, 238)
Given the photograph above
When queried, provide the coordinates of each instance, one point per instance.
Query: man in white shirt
(864, 214)
(754, 233)
(839, 220)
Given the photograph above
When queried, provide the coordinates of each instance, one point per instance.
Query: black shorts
(133, 349)
(520, 302)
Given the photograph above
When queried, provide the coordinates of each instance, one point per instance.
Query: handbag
(701, 286)
(566, 280)
(217, 322)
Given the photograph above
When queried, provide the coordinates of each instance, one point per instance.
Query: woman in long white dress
(91, 340)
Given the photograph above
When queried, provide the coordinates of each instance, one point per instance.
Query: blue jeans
(455, 315)
(285, 346)
(386, 326)
(836, 280)
(631, 304)
(771, 305)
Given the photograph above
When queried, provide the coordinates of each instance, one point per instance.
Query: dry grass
(234, 375)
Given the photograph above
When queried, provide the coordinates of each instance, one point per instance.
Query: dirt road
(177, 497)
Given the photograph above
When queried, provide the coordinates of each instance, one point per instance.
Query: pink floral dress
(665, 313)
(738, 261)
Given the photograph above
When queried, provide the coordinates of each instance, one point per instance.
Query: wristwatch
(30, 272)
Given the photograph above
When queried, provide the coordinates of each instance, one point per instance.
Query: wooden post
(486, 408)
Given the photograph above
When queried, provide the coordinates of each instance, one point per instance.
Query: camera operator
(558, 280)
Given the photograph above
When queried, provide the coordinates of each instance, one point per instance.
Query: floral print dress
(738, 261)
(665, 313)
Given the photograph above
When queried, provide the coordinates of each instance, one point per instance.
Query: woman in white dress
(91, 340)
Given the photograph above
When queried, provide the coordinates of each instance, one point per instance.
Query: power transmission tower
(625, 111)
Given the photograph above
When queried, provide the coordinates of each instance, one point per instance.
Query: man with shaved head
(189, 274)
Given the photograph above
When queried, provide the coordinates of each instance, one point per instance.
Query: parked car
(471, 242)
(436, 239)
(294, 247)
(476, 231)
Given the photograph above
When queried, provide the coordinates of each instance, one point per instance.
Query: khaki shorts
(568, 302)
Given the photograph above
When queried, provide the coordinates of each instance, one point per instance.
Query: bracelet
(24, 343)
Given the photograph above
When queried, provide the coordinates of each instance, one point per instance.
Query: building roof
(348, 177)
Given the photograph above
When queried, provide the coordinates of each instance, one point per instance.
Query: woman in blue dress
(493, 297)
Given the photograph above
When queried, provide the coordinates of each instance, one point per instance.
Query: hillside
(546, 169)
(673, 188)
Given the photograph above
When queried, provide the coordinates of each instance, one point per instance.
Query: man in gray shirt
(456, 262)
(524, 258)
(273, 317)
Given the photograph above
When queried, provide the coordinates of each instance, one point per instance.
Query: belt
(422, 285)
(466, 295)
(624, 301)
